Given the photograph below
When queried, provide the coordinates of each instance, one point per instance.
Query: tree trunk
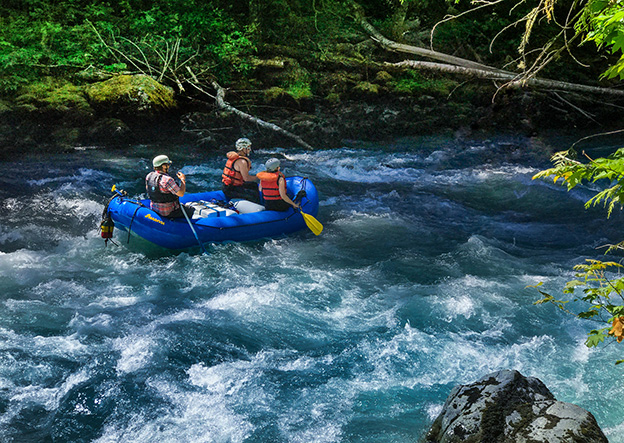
(513, 81)
(467, 67)
(415, 50)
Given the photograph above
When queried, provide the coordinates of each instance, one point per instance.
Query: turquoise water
(417, 284)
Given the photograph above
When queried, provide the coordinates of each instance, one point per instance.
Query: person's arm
(182, 190)
(243, 168)
(283, 194)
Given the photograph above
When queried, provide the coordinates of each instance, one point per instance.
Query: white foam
(463, 305)
(244, 299)
(57, 288)
(136, 353)
(115, 302)
(198, 415)
(79, 206)
(581, 352)
(615, 434)
(319, 415)
(99, 321)
(81, 176)
(48, 398)
(21, 260)
(55, 346)
(433, 410)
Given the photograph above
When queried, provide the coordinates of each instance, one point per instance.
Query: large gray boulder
(506, 407)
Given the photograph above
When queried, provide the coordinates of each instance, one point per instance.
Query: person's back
(163, 191)
(273, 187)
(237, 181)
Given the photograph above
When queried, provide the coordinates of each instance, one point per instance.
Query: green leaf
(595, 337)
(588, 314)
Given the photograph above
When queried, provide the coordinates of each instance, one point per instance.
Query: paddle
(315, 226)
(201, 245)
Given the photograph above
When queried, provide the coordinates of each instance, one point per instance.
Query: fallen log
(457, 65)
(221, 103)
(219, 99)
(514, 81)
(391, 45)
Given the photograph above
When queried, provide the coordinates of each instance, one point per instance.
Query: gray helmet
(243, 143)
(160, 160)
(272, 164)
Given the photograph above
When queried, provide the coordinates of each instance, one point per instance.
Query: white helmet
(243, 143)
(160, 160)
(272, 164)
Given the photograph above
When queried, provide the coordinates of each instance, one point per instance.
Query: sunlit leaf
(595, 338)
(618, 329)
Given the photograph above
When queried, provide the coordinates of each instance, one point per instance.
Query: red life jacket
(270, 184)
(230, 175)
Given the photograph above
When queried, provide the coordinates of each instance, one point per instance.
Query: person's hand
(181, 176)
(297, 206)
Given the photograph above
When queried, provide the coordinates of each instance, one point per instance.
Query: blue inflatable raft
(215, 219)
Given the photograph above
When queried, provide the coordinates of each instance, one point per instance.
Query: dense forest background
(306, 65)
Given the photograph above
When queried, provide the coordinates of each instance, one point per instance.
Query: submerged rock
(111, 131)
(505, 406)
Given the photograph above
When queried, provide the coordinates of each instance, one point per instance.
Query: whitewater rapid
(419, 282)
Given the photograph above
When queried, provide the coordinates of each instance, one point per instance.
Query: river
(418, 283)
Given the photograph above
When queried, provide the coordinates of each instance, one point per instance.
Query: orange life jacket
(270, 184)
(230, 175)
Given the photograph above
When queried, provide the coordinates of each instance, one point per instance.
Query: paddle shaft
(192, 229)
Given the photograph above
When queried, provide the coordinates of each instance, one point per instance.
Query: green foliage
(115, 67)
(601, 286)
(40, 38)
(596, 336)
(53, 95)
(600, 283)
(413, 82)
(297, 82)
(299, 91)
(573, 173)
(32, 48)
(602, 22)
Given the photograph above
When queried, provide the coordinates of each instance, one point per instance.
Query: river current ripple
(418, 283)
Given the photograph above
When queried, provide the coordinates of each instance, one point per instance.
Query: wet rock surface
(505, 407)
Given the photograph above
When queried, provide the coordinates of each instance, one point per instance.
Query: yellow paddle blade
(315, 226)
(113, 188)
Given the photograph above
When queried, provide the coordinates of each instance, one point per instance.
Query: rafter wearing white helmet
(243, 143)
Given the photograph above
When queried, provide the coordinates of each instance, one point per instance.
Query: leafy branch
(573, 173)
(601, 282)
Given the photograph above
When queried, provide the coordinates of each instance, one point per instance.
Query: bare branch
(619, 131)
(224, 105)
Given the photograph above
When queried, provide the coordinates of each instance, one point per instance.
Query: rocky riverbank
(56, 115)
